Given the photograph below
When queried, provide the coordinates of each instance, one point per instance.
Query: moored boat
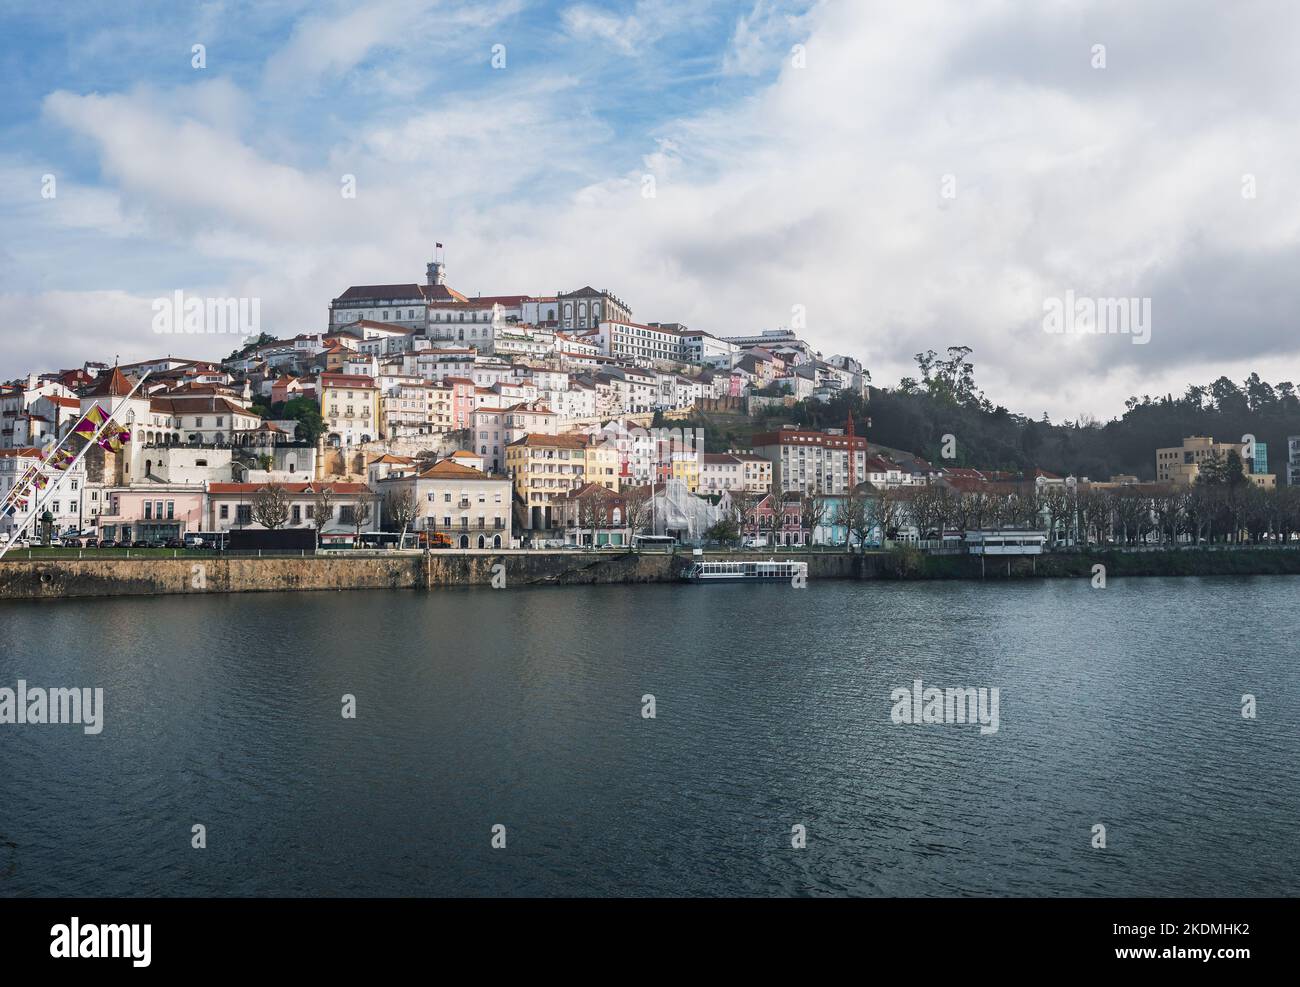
(787, 569)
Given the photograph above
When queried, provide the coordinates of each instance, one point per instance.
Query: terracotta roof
(192, 405)
(294, 488)
(346, 380)
(445, 469)
(560, 441)
(388, 457)
(114, 384)
(382, 291)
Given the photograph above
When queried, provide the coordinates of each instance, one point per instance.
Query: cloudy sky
(901, 176)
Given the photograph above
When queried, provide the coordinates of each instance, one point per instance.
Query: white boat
(771, 569)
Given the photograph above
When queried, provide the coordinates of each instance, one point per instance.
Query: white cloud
(822, 189)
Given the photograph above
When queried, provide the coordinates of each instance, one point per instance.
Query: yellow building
(349, 404)
(544, 466)
(686, 467)
(1182, 464)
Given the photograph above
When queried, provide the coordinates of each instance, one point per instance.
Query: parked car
(17, 542)
(192, 541)
(105, 543)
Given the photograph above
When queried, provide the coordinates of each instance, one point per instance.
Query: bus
(655, 543)
(379, 539)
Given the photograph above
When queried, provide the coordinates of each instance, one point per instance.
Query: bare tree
(360, 517)
(812, 510)
(636, 509)
(1057, 503)
(403, 509)
(924, 508)
(742, 509)
(591, 513)
(322, 511)
(888, 513)
(271, 507)
(857, 516)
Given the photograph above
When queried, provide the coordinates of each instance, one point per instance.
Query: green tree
(306, 413)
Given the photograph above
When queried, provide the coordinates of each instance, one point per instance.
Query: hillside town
(419, 416)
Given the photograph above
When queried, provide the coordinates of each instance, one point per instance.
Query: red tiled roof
(293, 488)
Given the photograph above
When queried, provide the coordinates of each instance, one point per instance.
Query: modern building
(1182, 464)
(828, 463)
(1293, 460)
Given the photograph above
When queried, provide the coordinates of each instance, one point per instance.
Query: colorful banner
(114, 438)
(90, 422)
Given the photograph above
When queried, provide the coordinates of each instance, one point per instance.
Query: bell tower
(436, 269)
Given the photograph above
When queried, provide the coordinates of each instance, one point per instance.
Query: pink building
(785, 528)
(154, 513)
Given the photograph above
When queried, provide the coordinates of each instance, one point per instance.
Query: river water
(523, 709)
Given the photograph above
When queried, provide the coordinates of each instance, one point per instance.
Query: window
(171, 509)
(148, 510)
(244, 514)
(297, 514)
(225, 511)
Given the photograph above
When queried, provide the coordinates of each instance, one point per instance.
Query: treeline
(1202, 513)
(918, 414)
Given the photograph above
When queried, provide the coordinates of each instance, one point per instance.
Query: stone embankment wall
(56, 578)
(63, 578)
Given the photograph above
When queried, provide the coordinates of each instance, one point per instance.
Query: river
(524, 709)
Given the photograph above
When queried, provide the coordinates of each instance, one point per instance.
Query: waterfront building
(151, 512)
(592, 515)
(471, 508)
(1293, 461)
(71, 505)
(229, 506)
(544, 466)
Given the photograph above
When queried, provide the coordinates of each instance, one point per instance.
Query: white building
(470, 507)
